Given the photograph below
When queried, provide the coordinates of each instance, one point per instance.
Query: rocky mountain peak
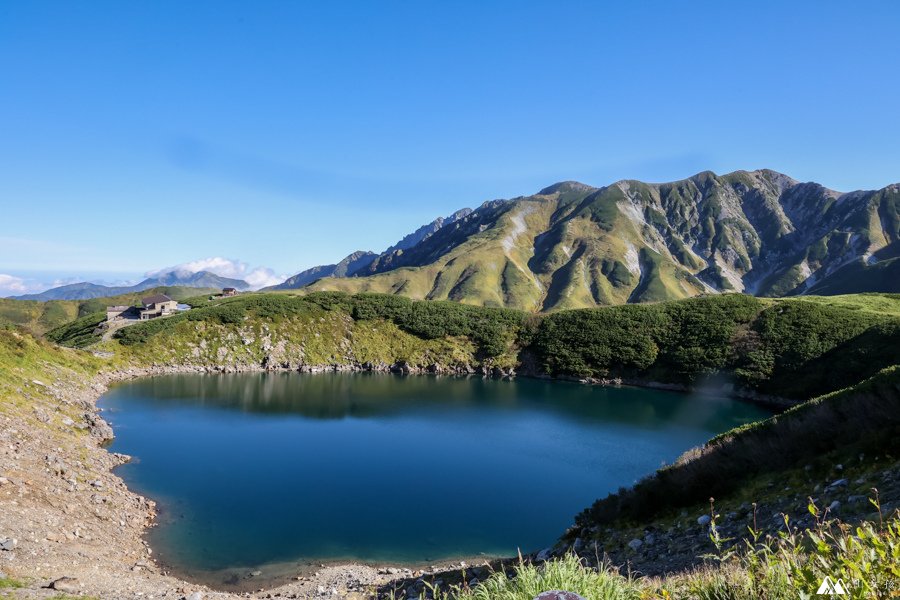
(565, 186)
(779, 180)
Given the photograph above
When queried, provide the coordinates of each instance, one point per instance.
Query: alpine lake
(272, 472)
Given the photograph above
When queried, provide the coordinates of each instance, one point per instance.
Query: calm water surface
(255, 469)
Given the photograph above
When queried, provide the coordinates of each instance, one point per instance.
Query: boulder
(635, 544)
(66, 584)
(704, 520)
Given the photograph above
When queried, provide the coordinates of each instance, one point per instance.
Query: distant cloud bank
(10, 285)
(257, 277)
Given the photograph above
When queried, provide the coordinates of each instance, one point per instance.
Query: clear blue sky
(136, 135)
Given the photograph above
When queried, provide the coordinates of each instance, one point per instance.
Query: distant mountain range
(572, 245)
(87, 291)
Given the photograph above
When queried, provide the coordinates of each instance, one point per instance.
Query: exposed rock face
(426, 231)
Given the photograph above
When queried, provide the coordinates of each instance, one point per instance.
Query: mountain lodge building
(157, 305)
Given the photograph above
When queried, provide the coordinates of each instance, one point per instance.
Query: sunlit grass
(865, 559)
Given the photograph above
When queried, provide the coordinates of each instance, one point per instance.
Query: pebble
(635, 544)
(194, 596)
(834, 507)
(836, 484)
(703, 520)
(8, 544)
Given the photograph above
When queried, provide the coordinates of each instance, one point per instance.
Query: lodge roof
(155, 299)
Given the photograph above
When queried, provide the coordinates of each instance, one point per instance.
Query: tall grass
(567, 573)
(789, 566)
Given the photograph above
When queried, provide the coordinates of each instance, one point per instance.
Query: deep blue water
(254, 469)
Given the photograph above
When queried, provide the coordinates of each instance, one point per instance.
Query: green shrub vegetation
(790, 348)
(80, 333)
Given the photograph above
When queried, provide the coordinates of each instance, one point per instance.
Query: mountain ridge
(573, 245)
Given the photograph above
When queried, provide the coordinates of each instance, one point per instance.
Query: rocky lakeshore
(69, 525)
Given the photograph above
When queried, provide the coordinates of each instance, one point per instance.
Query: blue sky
(135, 136)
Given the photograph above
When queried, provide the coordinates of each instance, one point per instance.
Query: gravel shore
(69, 525)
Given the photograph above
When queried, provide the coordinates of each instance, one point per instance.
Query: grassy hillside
(25, 360)
(322, 329)
(40, 317)
(792, 348)
(864, 418)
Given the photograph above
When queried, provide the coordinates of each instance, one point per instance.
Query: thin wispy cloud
(10, 285)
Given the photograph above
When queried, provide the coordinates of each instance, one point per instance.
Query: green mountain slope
(572, 245)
